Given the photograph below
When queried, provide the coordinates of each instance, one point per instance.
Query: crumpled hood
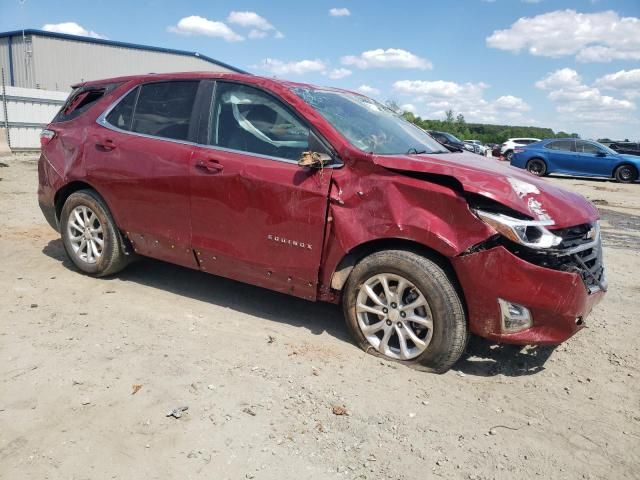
(510, 186)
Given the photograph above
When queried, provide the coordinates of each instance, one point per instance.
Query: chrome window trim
(102, 121)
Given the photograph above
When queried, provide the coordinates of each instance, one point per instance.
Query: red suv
(326, 195)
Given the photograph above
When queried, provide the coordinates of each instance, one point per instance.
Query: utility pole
(4, 109)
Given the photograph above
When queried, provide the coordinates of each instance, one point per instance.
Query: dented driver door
(257, 216)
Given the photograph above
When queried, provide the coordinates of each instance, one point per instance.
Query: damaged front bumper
(558, 296)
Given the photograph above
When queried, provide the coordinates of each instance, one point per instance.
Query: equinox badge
(287, 241)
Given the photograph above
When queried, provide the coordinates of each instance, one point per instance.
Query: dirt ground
(262, 372)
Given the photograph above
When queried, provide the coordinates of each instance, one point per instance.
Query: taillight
(46, 136)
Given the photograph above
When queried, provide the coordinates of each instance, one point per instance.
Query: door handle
(107, 144)
(209, 166)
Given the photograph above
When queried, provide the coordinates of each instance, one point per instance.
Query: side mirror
(314, 159)
(601, 154)
(317, 155)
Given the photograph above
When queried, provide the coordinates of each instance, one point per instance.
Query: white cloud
(389, 58)
(409, 107)
(339, 12)
(254, 34)
(565, 77)
(338, 73)
(259, 25)
(437, 96)
(625, 81)
(440, 88)
(577, 102)
(591, 37)
(195, 25)
(368, 90)
(71, 28)
(278, 67)
(511, 103)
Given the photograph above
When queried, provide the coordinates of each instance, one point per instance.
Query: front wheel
(537, 167)
(90, 236)
(626, 174)
(403, 306)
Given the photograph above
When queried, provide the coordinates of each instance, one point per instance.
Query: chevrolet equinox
(323, 194)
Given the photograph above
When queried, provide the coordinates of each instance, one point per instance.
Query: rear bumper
(559, 301)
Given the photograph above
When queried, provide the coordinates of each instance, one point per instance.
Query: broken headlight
(530, 233)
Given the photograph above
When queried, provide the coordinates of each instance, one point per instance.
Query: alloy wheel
(394, 316)
(626, 174)
(86, 235)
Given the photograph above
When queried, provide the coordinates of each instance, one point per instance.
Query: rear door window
(564, 145)
(164, 109)
(122, 114)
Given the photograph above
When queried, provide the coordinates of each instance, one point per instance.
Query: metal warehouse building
(38, 69)
(55, 61)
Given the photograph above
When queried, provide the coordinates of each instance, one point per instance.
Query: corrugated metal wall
(23, 66)
(28, 111)
(60, 63)
(4, 57)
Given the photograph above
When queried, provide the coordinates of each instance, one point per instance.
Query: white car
(481, 149)
(507, 147)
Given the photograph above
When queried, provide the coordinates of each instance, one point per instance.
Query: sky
(568, 65)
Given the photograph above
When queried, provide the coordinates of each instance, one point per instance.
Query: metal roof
(113, 43)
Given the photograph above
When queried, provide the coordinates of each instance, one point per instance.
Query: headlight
(530, 233)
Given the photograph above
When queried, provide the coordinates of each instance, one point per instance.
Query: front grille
(580, 252)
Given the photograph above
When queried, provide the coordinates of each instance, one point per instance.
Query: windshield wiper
(415, 151)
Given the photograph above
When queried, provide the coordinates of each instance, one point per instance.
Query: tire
(444, 342)
(537, 166)
(626, 174)
(508, 155)
(92, 211)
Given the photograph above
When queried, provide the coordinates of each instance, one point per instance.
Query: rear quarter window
(81, 100)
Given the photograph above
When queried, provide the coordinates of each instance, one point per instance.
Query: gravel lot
(264, 375)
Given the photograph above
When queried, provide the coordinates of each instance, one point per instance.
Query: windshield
(606, 149)
(450, 137)
(367, 124)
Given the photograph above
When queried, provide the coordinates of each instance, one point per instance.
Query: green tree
(393, 105)
(449, 117)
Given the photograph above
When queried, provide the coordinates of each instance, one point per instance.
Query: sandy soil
(261, 373)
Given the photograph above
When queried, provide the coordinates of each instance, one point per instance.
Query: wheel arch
(70, 188)
(350, 259)
(622, 164)
(538, 157)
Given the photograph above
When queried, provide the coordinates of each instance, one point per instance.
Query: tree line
(486, 133)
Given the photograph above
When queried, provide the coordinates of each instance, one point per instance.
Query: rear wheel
(90, 236)
(508, 155)
(626, 174)
(537, 167)
(403, 306)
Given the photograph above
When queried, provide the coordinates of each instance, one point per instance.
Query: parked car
(576, 157)
(508, 147)
(496, 151)
(325, 195)
(479, 148)
(453, 143)
(626, 148)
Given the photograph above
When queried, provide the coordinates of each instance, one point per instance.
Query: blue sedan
(569, 156)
